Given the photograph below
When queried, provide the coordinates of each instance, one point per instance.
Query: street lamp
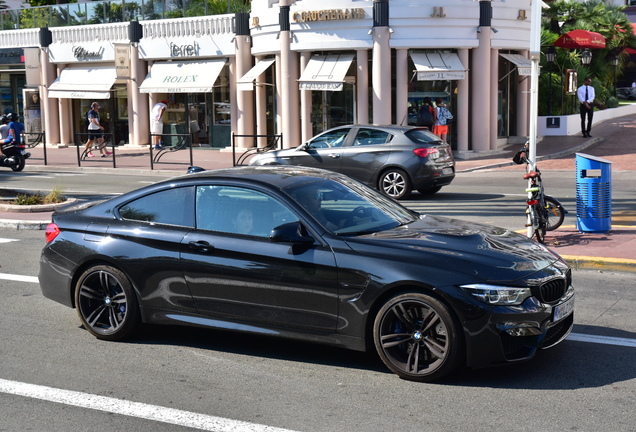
(586, 57)
(550, 56)
(615, 63)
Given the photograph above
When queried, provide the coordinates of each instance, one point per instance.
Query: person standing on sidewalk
(156, 123)
(95, 131)
(586, 97)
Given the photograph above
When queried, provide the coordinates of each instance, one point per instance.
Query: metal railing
(116, 11)
(274, 142)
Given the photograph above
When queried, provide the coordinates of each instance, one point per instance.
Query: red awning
(630, 50)
(581, 39)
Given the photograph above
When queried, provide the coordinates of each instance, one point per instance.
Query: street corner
(612, 250)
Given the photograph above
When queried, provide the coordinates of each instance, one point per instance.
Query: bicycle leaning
(545, 213)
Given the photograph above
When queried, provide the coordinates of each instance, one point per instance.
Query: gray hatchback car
(393, 159)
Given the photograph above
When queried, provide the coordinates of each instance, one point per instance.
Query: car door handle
(333, 155)
(201, 246)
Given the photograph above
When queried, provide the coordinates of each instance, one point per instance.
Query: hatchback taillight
(52, 231)
(426, 152)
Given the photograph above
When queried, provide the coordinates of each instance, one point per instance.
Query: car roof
(279, 176)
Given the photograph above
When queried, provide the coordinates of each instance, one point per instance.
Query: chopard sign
(329, 15)
(82, 53)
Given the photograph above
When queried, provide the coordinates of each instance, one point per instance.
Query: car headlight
(498, 295)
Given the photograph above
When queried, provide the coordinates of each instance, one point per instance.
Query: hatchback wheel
(416, 337)
(106, 303)
(395, 183)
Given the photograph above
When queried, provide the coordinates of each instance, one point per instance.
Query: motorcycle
(15, 161)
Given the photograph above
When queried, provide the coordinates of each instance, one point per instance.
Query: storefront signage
(186, 50)
(122, 61)
(329, 15)
(11, 56)
(81, 53)
(329, 86)
(441, 75)
(180, 79)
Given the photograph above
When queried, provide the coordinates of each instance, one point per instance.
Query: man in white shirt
(156, 125)
(586, 97)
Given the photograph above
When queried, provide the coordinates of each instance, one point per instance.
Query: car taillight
(52, 231)
(426, 151)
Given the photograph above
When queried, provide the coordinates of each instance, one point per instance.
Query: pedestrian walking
(586, 95)
(95, 132)
(156, 123)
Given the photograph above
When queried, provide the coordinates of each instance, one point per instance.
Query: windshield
(347, 207)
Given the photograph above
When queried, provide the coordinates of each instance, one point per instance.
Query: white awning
(182, 77)
(84, 82)
(524, 65)
(325, 72)
(245, 82)
(438, 66)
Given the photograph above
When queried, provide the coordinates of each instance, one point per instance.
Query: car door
(323, 151)
(236, 274)
(366, 154)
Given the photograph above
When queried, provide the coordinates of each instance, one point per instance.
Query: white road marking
(607, 340)
(3, 240)
(133, 409)
(19, 278)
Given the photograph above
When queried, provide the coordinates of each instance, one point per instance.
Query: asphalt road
(216, 378)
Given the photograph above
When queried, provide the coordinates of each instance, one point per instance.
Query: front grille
(557, 332)
(553, 290)
(518, 347)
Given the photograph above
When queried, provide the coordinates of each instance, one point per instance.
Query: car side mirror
(291, 232)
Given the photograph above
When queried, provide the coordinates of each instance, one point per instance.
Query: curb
(24, 225)
(599, 263)
(587, 143)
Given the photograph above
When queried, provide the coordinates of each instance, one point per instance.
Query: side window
(330, 139)
(171, 207)
(371, 137)
(238, 210)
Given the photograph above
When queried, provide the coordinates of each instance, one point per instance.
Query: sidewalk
(611, 140)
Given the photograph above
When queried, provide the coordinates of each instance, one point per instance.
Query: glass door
(332, 108)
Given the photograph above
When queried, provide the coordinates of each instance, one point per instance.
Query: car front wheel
(395, 183)
(106, 303)
(417, 338)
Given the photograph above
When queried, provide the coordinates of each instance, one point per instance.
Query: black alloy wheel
(416, 337)
(395, 183)
(106, 303)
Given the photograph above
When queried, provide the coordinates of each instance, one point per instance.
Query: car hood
(487, 252)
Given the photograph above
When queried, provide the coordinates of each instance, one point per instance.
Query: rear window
(422, 136)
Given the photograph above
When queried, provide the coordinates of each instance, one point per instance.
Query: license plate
(447, 171)
(563, 310)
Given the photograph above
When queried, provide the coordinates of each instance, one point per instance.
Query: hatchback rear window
(422, 136)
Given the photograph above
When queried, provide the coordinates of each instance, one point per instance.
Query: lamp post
(615, 63)
(586, 57)
(550, 56)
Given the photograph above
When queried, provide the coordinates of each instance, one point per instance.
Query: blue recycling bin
(593, 194)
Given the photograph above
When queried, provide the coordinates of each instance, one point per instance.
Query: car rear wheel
(106, 303)
(416, 337)
(395, 183)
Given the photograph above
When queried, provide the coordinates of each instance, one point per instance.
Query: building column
(381, 73)
(287, 80)
(362, 87)
(51, 111)
(305, 103)
(481, 84)
(244, 99)
(495, 116)
(463, 100)
(401, 87)
(138, 113)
